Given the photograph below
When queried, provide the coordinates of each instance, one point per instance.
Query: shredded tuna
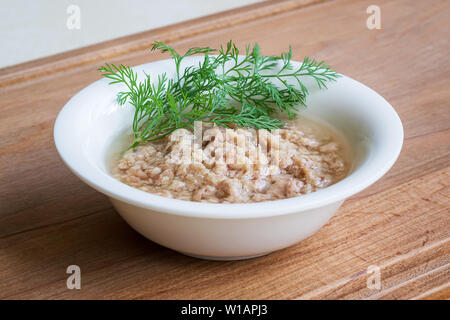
(234, 165)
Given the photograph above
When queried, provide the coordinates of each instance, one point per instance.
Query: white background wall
(31, 29)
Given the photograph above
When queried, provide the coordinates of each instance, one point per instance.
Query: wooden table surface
(49, 219)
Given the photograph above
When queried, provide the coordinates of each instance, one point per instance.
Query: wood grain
(49, 219)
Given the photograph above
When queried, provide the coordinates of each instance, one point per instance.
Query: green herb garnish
(225, 89)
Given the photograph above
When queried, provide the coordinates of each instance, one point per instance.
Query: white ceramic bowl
(89, 123)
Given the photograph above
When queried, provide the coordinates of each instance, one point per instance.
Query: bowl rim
(332, 194)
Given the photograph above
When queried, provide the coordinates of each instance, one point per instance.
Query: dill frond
(224, 89)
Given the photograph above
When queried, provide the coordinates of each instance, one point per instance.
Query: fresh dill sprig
(227, 89)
